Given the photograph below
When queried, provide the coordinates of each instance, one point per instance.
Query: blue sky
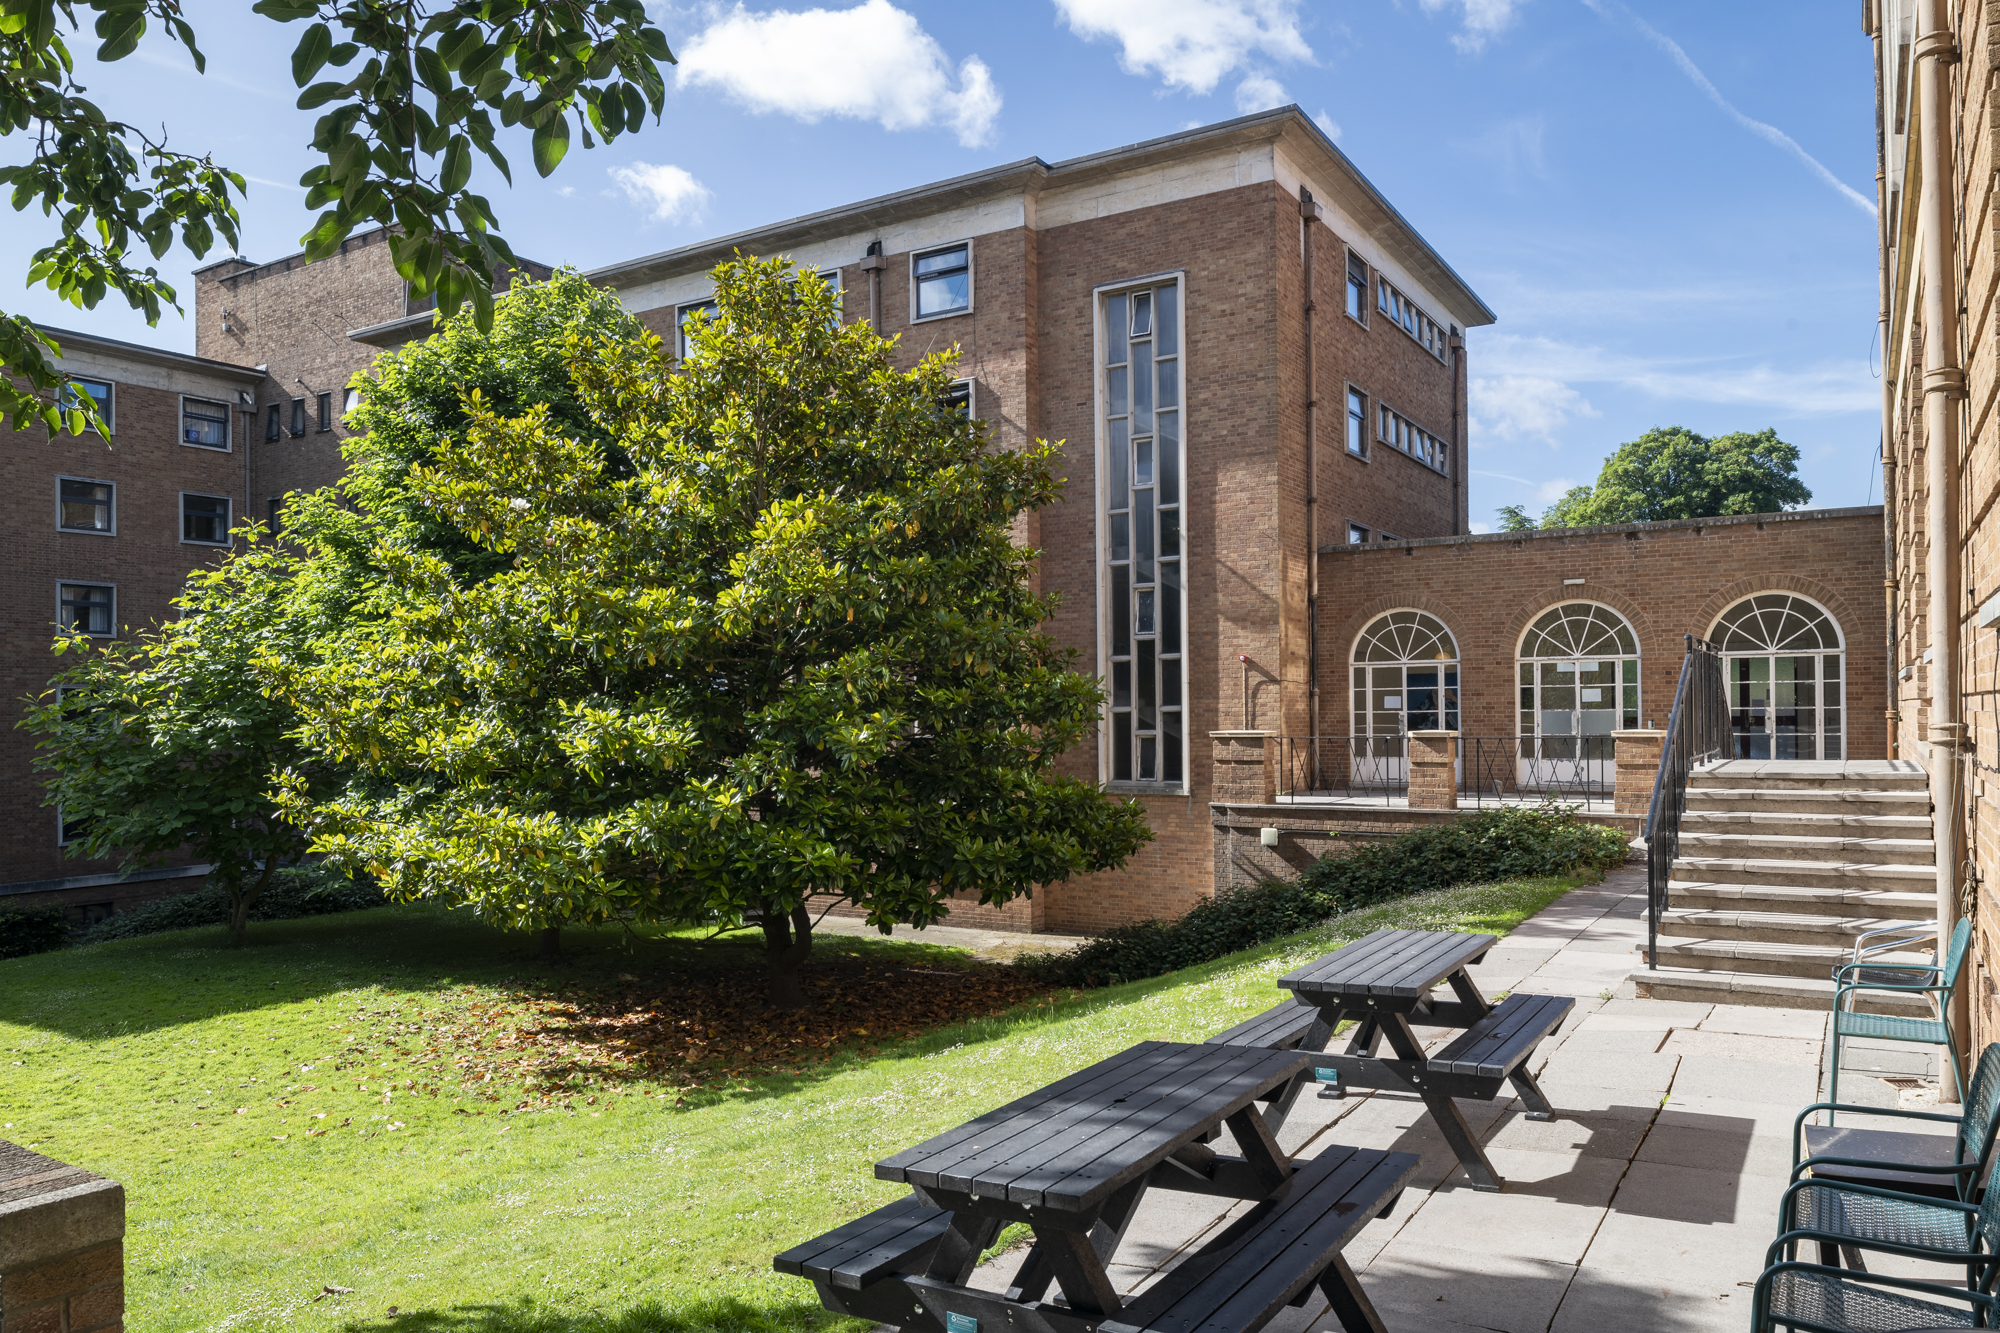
(1669, 205)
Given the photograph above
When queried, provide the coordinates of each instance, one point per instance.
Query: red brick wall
(145, 561)
(1666, 579)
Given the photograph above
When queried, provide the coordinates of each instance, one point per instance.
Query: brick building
(1257, 367)
(104, 533)
(1936, 139)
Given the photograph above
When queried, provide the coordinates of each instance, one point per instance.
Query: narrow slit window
(1145, 466)
(326, 411)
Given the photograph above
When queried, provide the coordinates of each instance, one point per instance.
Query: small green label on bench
(1327, 1075)
(960, 1323)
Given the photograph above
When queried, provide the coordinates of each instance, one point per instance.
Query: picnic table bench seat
(1481, 1058)
(897, 1237)
(1280, 1028)
(1276, 1253)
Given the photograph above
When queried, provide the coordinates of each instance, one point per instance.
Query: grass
(253, 1104)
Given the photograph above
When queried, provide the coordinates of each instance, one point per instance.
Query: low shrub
(1488, 847)
(295, 891)
(32, 930)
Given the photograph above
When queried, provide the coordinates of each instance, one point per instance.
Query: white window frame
(112, 531)
(1102, 529)
(971, 395)
(971, 280)
(110, 413)
(111, 633)
(1347, 423)
(228, 444)
(228, 519)
(1347, 286)
(680, 314)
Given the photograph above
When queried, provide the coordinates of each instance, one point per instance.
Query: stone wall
(62, 1247)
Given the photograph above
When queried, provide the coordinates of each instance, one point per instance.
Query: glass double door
(1389, 703)
(1785, 707)
(1569, 708)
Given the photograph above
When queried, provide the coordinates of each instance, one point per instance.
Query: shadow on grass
(526, 1315)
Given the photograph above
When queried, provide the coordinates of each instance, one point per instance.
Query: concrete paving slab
(1744, 1046)
(1598, 1301)
(1447, 1288)
(1807, 1024)
(1593, 1134)
(1538, 1215)
(1638, 1070)
(1744, 1080)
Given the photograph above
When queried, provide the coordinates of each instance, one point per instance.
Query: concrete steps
(1782, 866)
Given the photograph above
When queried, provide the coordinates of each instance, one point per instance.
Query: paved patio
(1647, 1204)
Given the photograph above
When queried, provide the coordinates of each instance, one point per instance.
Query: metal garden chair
(1813, 1298)
(1937, 981)
(1910, 1163)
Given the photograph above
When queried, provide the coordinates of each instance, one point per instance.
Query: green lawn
(240, 1096)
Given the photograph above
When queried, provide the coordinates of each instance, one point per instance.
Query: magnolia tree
(758, 645)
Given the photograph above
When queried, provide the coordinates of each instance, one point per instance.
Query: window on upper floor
(98, 391)
(87, 608)
(276, 507)
(351, 401)
(685, 317)
(958, 398)
(298, 417)
(83, 505)
(205, 519)
(1410, 319)
(273, 422)
(943, 281)
(326, 411)
(1357, 423)
(204, 424)
(1356, 535)
(1405, 436)
(1357, 287)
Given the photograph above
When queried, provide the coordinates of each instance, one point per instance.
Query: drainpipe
(1884, 284)
(1944, 385)
(1461, 456)
(1309, 213)
(872, 264)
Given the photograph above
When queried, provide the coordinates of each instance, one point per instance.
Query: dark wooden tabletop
(1072, 1145)
(1395, 964)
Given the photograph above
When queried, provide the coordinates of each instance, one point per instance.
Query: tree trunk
(241, 899)
(552, 944)
(786, 945)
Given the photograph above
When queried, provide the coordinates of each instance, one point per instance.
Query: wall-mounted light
(1269, 837)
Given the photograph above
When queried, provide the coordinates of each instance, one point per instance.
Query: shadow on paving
(1533, 1296)
(1617, 1134)
(525, 1315)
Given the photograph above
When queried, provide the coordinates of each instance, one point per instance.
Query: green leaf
(319, 95)
(285, 11)
(121, 31)
(457, 169)
(550, 143)
(309, 56)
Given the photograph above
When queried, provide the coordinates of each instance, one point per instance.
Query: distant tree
(1513, 518)
(419, 88)
(1671, 472)
(160, 744)
(789, 659)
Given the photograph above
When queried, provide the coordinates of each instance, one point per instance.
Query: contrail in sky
(1770, 133)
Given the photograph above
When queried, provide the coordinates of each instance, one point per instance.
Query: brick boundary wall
(62, 1247)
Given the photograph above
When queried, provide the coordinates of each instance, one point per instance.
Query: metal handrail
(1697, 733)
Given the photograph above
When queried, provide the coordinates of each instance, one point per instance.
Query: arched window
(1784, 660)
(1405, 677)
(1579, 675)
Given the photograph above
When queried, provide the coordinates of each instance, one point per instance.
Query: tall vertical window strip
(1357, 288)
(1357, 424)
(1142, 500)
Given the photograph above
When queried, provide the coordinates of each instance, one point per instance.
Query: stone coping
(49, 1209)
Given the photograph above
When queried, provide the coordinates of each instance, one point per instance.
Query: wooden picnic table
(1074, 1161)
(1384, 982)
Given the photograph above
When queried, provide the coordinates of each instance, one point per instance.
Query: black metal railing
(1492, 770)
(1697, 733)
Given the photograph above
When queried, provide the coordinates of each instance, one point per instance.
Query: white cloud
(1259, 92)
(1769, 133)
(1514, 147)
(1191, 44)
(1506, 408)
(670, 193)
(872, 62)
(1824, 389)
(565, 191)
(1481, 20)
(1328, 124)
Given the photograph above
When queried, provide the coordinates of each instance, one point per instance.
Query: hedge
(295, 891)
(32, 930)
(1490, 847)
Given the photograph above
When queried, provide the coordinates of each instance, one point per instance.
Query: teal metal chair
(1936, 981)
(1812, 1298)
(1952, 1167)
